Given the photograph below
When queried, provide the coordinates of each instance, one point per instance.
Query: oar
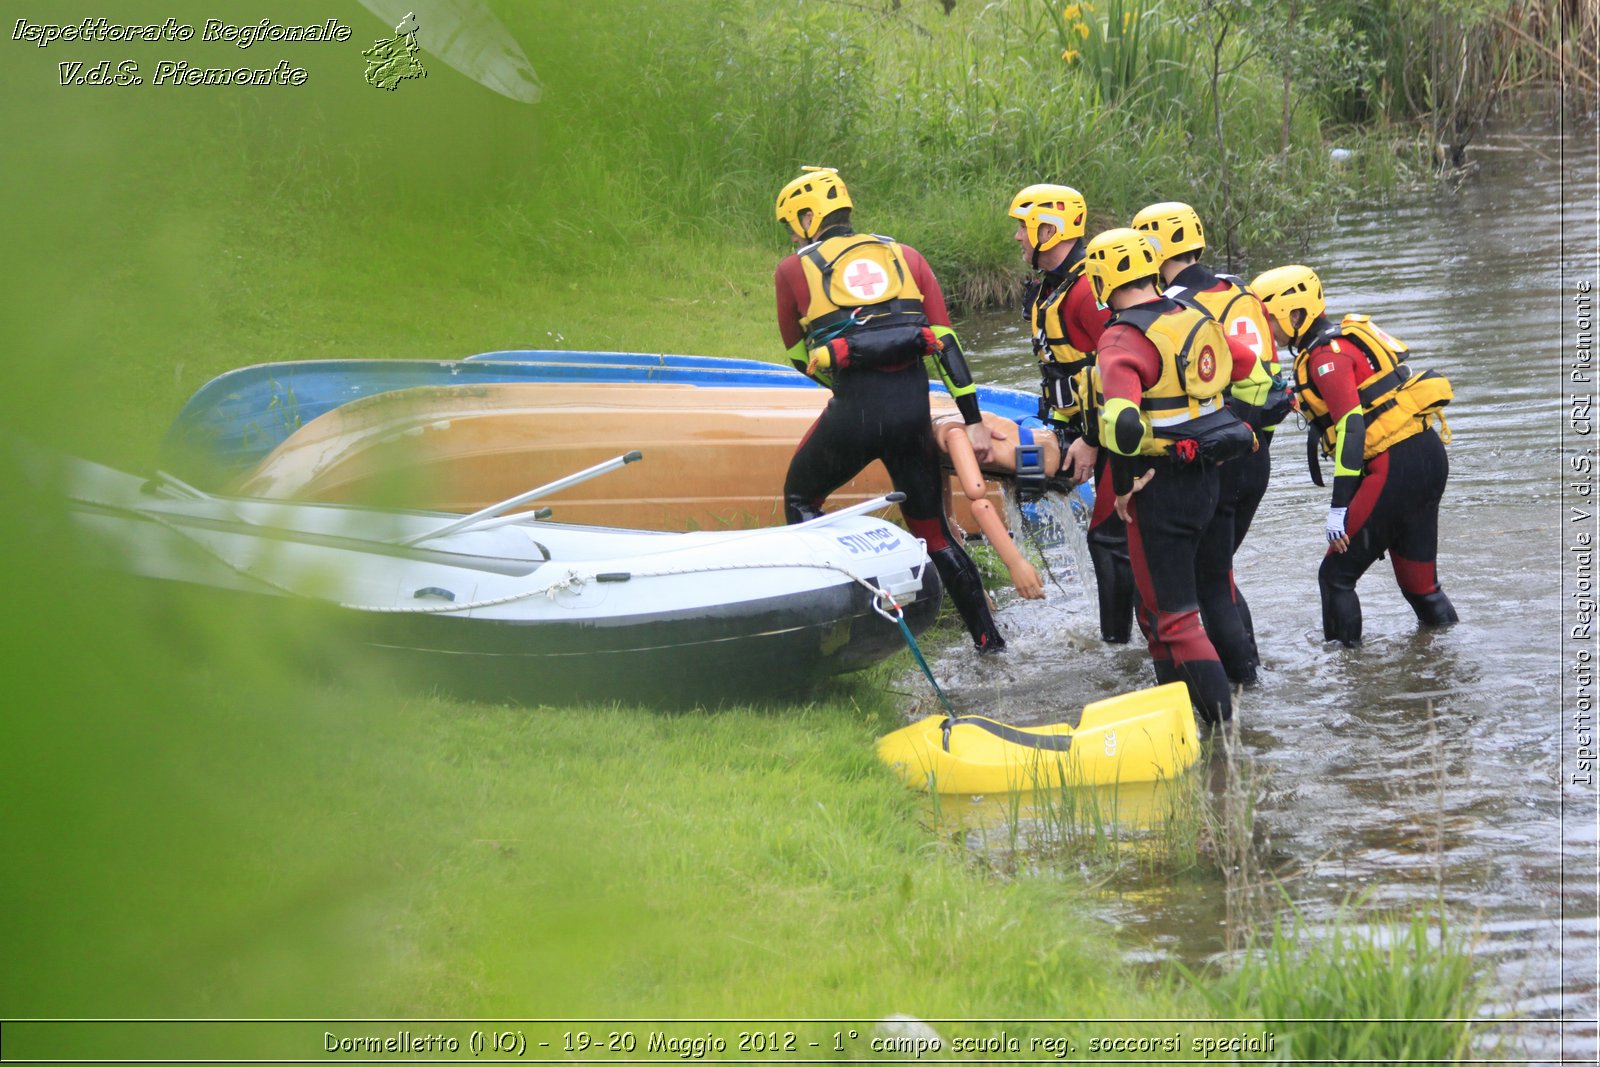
(480, 518)
(856, 509)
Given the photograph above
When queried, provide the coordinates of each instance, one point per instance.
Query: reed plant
(1385, 987)
(1132, 56)
(1435, 72)
(1131, 831)
(935, 120)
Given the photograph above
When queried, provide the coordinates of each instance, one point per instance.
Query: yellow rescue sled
(1143, 736)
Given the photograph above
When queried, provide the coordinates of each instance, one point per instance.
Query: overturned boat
(235, 420)
(719, 455)
(504, 606)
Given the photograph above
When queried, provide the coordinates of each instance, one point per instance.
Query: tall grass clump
(1131, 56)
(1434, 72)
(699, 112)
(1119, 832)
(1386, 988)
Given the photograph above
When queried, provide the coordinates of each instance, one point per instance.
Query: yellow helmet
(1115, 258)
(1172, 228)
(1285, 290)
(1060, 205)
(819, 191)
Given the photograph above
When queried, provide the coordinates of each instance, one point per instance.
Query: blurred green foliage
(207, 815)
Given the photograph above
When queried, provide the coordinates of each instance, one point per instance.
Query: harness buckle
(1030, 471)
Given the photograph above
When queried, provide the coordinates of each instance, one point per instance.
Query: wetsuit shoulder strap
(824, 264)
(1072, 266)
(1139, 318)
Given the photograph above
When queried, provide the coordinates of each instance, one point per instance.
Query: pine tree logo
(393, 60)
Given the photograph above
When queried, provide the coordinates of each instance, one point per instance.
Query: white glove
(1335, 524)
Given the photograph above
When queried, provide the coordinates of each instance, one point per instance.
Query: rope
(916, 653)
(573, 580)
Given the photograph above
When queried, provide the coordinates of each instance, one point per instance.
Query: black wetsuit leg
(1169, 516)
(1254, 472)
(1395, 510)
(1240, 485)
(1219, 607)
(1108, 554)
(884, 415)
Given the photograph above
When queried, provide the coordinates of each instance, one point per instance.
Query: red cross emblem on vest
(1244, 331)
(864, 279)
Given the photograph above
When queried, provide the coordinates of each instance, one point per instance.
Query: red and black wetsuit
(881, 412)
(1170, 523)
(1393, 503)
(1082, 322)
(1241, 484)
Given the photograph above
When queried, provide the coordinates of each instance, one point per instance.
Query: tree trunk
(1283, 146)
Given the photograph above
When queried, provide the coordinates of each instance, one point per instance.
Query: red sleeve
(1334, 375)
(1084, 320)
(932, 295)
(790, 282)
(1244, 359)
(1129, 363)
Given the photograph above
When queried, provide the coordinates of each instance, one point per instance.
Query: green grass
(1374, 988)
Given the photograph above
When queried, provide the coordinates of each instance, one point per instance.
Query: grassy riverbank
(197, 827)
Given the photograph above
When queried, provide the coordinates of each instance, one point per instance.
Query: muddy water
(1359, 791)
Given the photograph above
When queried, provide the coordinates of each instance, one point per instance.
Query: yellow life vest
(1395, 403)
(856, 280)
(1241, 318)
(1196, 366)
(1063, 368)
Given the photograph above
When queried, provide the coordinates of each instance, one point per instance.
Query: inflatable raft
(506, 607)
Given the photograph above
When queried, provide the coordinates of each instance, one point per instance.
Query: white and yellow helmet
(1115, 258)
(1285, 290)
(1059, 205)
(1172, 228)
(819, 191)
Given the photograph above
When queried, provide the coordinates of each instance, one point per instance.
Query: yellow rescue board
(1144, 736)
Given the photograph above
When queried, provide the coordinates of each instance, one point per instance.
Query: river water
(1422, 762)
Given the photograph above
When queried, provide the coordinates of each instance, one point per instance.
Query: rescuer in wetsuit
(1065, 324)
(1163, 368)
(1373, 414)
(1178, 238)
(858, 313)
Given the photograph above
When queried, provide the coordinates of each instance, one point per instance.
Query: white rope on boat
(573, 581)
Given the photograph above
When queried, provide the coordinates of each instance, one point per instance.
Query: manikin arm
(953, 440)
